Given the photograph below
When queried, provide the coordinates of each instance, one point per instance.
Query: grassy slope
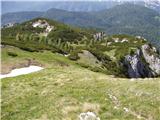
(63, 90)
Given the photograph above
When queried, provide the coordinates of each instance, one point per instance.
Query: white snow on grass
(21, 71)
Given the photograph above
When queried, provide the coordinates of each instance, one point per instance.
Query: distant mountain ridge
(83, 6)
(19, 17)
(134, 20)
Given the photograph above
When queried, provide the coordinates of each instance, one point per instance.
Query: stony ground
(63, 90)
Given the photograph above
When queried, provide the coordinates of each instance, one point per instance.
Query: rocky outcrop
(135, 66)
(43, 24)
(9, 25)
(145, 62)
(152, 58)
(99, 36)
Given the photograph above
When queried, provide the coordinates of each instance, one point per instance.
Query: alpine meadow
(80, 60)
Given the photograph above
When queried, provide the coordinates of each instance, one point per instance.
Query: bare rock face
(135, 66)
(152, 58)
(88, 116)
(43, 24)
(144, 63)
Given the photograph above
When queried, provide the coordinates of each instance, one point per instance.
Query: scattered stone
(116, 40)
(126, 109)
(120, 106)
(88, 116)
(109, 43)
(9, 25)
(66, 55)
(138, 37)
(115, 101)
(124, 40)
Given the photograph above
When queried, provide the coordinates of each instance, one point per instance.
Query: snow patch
(21, 71)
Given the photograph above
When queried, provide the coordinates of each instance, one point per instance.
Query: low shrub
(12, 54)
(73, 56)
(83, 65)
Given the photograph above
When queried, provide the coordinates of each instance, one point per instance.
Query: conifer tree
(18, 37)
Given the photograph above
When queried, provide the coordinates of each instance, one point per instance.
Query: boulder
(88, 116)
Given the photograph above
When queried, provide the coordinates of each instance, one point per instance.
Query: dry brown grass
(43, 117)
(92, 107)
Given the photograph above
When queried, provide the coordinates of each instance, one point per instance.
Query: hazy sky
(71, 0)
(80, 0)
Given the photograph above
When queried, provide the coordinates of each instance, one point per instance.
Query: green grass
(62, 92)
(44, 56)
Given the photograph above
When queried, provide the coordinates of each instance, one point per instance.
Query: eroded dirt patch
(8, 67)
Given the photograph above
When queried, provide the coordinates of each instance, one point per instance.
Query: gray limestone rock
(145, 62)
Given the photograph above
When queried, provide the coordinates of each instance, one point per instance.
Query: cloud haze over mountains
(70, 5)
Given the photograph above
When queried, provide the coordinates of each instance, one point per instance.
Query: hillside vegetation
(27, 37)
(121, 19)
(106, 51)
